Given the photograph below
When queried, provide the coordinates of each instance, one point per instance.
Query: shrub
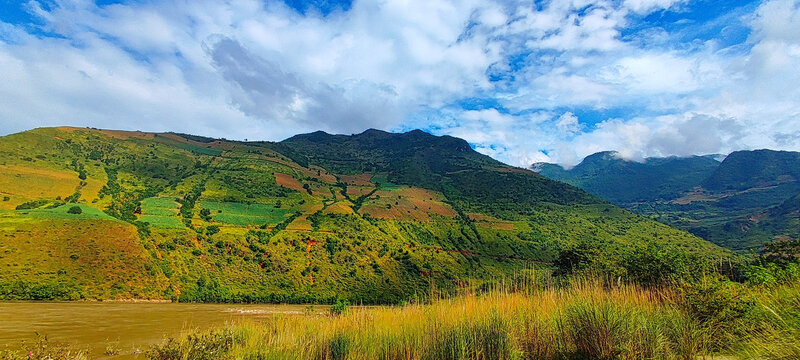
(718, 301)
(340, 307)
(205, 214)
(32, 204)
(196, 347)
(75, 210)
(722, 305)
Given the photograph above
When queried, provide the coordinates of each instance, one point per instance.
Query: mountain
(609, 176)
(374, 217)
(733, 203)
(742, 170)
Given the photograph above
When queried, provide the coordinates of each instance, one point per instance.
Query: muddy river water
(125, 327)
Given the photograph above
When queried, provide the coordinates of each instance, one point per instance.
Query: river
(126, 327)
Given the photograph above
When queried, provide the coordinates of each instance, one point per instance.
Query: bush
(205, 214)
(340, 307)
(75, 210)
(200, 347)
(720, 304)
(32, 204)
(718, 301)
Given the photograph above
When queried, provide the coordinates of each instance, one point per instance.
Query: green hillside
(734, 203)
(743, 170)
(375, 217)
(621, 181)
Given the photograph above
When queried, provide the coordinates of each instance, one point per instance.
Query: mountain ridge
(732, 203)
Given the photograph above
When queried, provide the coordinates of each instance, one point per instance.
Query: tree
(782, 251)
(205, 214)
(75, 210)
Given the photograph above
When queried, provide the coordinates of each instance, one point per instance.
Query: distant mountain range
(374, 217)
(749, 198)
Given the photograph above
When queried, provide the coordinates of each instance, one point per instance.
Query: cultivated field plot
(491, 222)
(406, 203)
(87, 213)
(243, 214)
(357, 180)
(161, 212)
(21, 184)
(356, 191)
(382, 181)
(341, 207)
(288, 182)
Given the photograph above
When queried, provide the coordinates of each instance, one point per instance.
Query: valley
(741, 202)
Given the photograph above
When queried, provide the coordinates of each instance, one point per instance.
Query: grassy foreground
(582, 321)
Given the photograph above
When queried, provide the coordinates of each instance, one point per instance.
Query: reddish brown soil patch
(124, 135)
(407, 204)
(288, 182)
(357, 180)
(356, 191)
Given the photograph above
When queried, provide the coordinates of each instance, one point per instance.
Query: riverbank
(121, 329)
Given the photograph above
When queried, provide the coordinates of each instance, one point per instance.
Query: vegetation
(741, 203)
(483, 260)
(43, 349)
(374, 218)
(586, 319)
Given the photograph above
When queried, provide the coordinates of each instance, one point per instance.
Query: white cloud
(647, 6)
(567, 124)
(258, 69)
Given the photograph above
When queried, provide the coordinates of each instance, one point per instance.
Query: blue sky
(522, 81)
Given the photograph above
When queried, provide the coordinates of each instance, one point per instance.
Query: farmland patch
(243, 214)
(288, 182)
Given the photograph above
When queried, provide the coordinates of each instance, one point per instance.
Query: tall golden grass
(585, 320)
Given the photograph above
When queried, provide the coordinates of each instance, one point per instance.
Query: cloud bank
(521, 81)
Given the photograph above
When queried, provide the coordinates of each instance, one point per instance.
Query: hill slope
(620, 181)
(729, 203)
(374, 217)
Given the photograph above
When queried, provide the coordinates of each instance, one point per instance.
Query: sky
(521, 81)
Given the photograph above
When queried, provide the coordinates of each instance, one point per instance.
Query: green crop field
(87, 213)
(162, 206)
(243, 214)
(161, 212)
(383, 181)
